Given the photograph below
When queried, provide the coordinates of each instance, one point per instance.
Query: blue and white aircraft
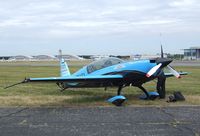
(114, 72)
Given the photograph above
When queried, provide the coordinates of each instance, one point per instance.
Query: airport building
(20, 58)
(146, 56)
(192, 53)
(69, 57)
(2, 58)
(43, 58)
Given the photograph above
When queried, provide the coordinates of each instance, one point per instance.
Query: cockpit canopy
(103, 63)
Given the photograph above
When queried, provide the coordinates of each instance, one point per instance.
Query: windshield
(103, 63)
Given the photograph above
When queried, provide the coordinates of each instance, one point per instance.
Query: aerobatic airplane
(114, 72)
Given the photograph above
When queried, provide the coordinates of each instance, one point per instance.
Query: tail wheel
(61, 85)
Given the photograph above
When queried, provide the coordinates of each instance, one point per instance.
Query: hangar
(69, 57)
(193, 53)
(5, 57)
(20, 58)
(43, 58)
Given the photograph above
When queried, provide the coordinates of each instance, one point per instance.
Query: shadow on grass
(79, 92)
(100, 100)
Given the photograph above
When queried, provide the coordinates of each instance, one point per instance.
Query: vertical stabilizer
(64, 69)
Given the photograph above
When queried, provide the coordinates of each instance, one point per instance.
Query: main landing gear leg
(61, 86)
(149, 95)
(119, 99)
(145, 91)
(119, 90)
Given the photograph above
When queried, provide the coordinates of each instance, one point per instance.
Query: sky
(118, 27)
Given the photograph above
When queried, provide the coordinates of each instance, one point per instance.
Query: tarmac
(100, 121)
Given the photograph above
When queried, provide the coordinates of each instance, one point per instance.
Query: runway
(100, 121)
(186, 63)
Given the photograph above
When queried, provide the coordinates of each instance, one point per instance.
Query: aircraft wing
(99, 78)
(171, 75)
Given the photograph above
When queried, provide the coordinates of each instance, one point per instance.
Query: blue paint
(141, 66)
(144, 97)
(64, 69)
(153, 93)
(116, 98)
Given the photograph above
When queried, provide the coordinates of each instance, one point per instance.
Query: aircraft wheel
(117, 100)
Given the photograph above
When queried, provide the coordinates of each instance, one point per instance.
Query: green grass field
(48, 94)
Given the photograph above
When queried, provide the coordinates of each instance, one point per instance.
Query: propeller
(153, 70)
(161, 63)
(173, 71)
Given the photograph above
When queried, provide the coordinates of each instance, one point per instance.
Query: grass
(48, 94)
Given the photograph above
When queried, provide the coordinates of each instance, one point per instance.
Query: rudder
(64, 69)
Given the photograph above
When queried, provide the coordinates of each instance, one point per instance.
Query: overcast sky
(32, 27)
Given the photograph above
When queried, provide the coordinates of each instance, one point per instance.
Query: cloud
(74, 18)
(183, 3)
(82, 23)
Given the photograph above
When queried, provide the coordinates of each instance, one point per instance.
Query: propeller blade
(173, 71)
(153, 70)
(162, 54)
